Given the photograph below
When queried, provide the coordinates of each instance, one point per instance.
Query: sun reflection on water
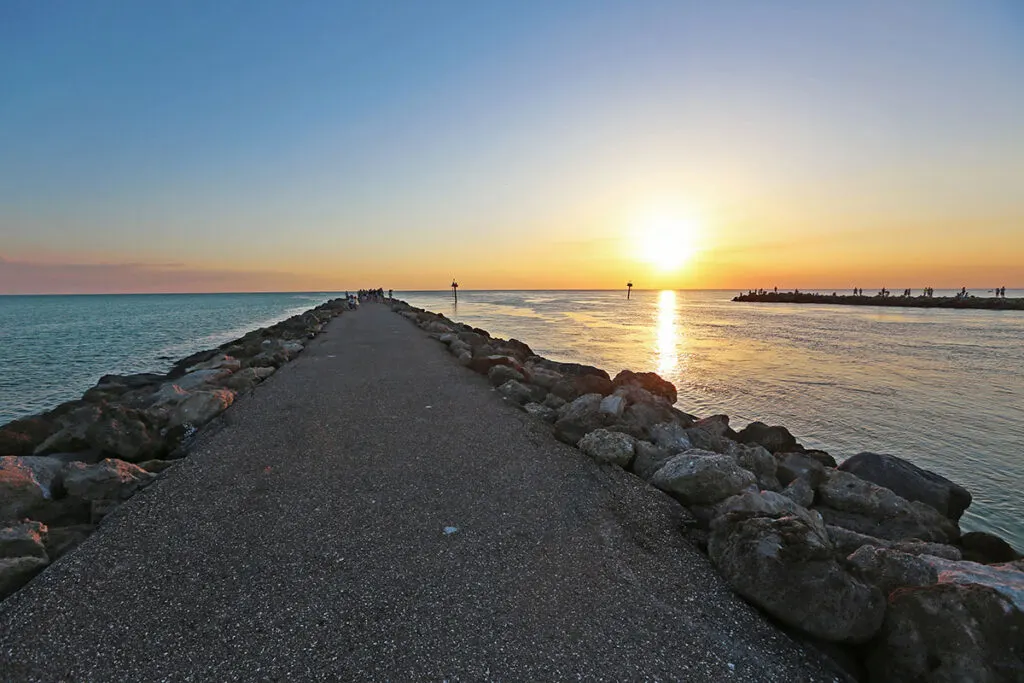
(667, 342)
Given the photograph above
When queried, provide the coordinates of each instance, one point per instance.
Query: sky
(324, 146)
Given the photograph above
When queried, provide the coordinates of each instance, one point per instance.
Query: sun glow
(667, 244)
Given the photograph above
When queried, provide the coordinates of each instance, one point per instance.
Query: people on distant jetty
(883, 292)
(372, 294)
(962, 294)
(1001, 292)
(929, 292)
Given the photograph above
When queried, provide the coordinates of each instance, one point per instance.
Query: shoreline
(948, 302)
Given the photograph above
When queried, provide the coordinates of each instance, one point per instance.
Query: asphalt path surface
(376, 512)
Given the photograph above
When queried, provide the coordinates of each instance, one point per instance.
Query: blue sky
(329, 144)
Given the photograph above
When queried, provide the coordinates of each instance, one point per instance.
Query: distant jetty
(989, 303)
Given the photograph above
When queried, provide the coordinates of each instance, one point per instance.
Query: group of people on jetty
(364, 295)
(928, 292)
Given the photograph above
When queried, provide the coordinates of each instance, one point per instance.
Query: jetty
(375, 511)
(969, 302)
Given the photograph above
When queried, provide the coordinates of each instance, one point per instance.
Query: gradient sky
(239, 146)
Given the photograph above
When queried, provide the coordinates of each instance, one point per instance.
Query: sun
(667, 244)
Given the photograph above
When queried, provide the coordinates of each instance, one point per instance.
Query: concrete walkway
(376, 512)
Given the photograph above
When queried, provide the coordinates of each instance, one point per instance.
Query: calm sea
(56, 347)
(944, 389)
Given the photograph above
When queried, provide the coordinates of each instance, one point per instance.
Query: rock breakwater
(864, 557)
(987, 303)
(63, 471)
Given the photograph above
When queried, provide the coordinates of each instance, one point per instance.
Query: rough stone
(847, 542)
(890, 569)
(21, 437)
(24, 539)
(670, 436)
(541, 411)
(787, 567)
(716, 424)
(554, 402)
(605, 446)
(851, 502)
(986, 548)
(775, 439)
(949, 633)
(16, 572)
(649, 459)
(649, 381)
(499, 374)
(578, 418)
(697, 477)
(60, 540)
(769, 504)
(25, 483)
(107, 480)
(800, 492)
(200, 408)
(911, 482)
(613, 406)
(1007, 578)
(516, 392)
(790, 466)
(758, 460)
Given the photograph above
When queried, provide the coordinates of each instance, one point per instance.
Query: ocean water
(942, 388)
(53, 348)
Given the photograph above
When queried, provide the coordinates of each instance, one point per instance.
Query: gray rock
(24, 539)
(552, 401)
(63, 539)
(437, 327)
(649, 459)
(499, 374)
(640, 418)
(775, 439)
(448, 339)
(800, 492)
(670, 436)
(16, 572)
(465, 358)
(169, 394)
(541, 411)
(199, 378)
(246, 379)
(515, 391)
(201, 407)
(107, 480)
(848, 501)
(156, 466)
(790, 466)
(706, 441)
(909, 481)
(986, 548)
(1007, 578)
(578, 418)
(697, 477)
(847, 542)
(26, 482)
(604, 446)
(218, 362)
(613, 406)
(949, 633)
(787, 567)
(543, 377)
(716, 424)
(758, 460)
(648, 381)
(890, 569)
(770, 504)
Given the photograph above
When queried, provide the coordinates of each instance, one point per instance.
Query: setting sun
(667, 244)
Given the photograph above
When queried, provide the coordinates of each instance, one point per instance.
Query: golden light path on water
(667, 335)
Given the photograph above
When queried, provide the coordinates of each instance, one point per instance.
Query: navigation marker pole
(629, 288)
(455, 289)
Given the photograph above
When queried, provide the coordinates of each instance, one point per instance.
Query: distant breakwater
(864, 558)
(985, 303)
(63, 471)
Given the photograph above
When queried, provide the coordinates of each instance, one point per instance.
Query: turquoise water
(56, 347)
(944, 389)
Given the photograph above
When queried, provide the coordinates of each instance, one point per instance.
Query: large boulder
(639, 419)
(671, 436)
(15, 572)
(853, 503)
(605, 446)
(198, 409)
(715, 424)
(769, 504)
(26, 483)
(757, 459)
(24, 539)
(517, 392)
(541, 411)
(776, 439)
(848, 542)
(21, 437)
(483, 364)
(986, 548)
(114, 430)
(1007, 578)
(697, 477)
(648, 381)
(890, 569)
(107, 480)
(786, 566)
(949, 633)
(499, 374)
(909, 481)
(649, 459)
(790, 466)
(579, 417)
